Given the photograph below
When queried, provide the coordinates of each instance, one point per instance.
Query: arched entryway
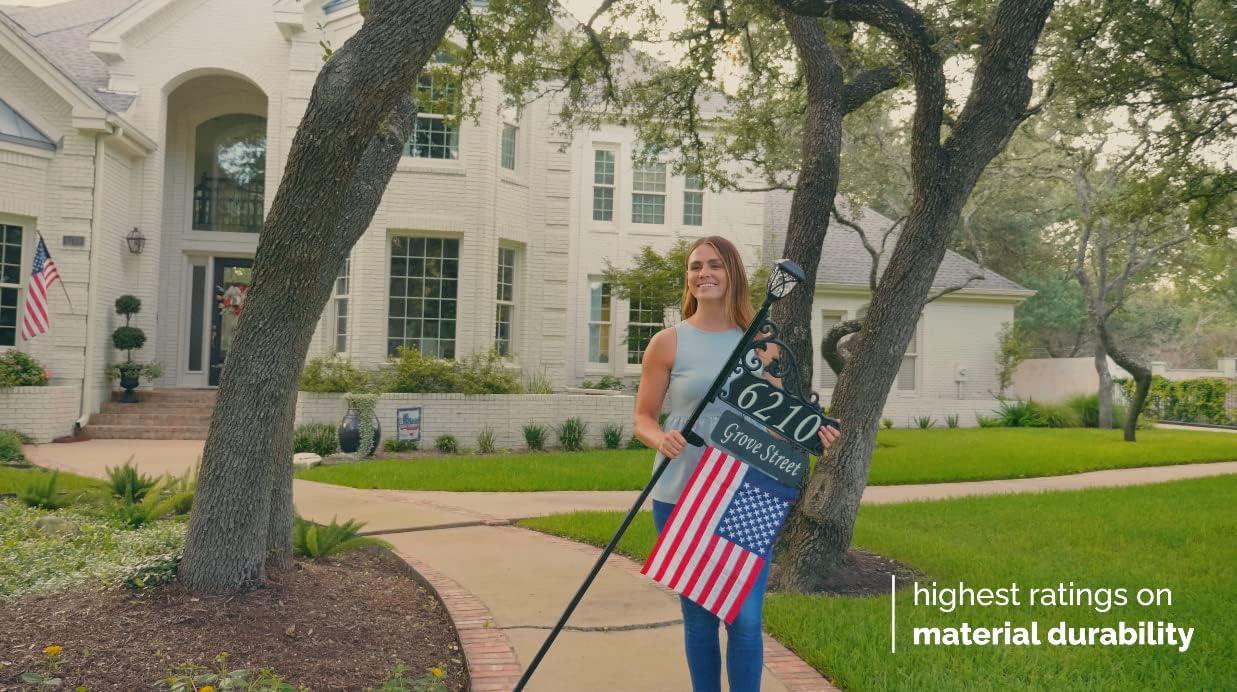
(215, 174)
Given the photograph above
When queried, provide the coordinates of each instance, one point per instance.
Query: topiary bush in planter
(129, 339)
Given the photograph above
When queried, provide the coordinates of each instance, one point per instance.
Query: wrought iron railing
(219, 204)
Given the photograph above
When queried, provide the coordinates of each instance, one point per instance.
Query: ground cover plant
(902, 456)
(349, 619)
(1172, 535)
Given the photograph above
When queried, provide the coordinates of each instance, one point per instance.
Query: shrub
(485, 441)
(333, 374)
(18, 369)
(635, 443)
(887, 423)
(951, 420)
(538, 383)
(413, 371)
(316, 541)
(127, 483)
(612, 433)
(10, 449)
(924, 422)
(1020, 414)
(987, 421)
(571, 434)
(320, 438)
(1058, 415)
(486, 373)
(534, 436)
(1200, 400)
(162, 499)
(606, 382)
(1087, 406)
(446, 444)
(128, 338)
(393, 445)
(40, 491)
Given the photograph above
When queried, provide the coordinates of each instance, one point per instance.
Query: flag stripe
(685, 511)
(747, 588)
(708, 522)
(725, 574)
(743, 577)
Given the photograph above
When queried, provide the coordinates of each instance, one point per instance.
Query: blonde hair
(738, 303)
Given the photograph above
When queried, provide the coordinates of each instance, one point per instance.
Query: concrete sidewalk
(506, 587)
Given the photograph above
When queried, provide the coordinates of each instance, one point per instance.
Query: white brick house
(174, 118)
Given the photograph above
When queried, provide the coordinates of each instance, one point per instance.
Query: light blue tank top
(698, 357)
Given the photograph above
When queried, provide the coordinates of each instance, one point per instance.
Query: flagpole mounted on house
(62, 287)
(782, 280)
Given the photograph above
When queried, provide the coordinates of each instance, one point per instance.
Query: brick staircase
(160, 414)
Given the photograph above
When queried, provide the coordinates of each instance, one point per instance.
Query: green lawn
(902, 456)
(1174, 535)
(13, 480)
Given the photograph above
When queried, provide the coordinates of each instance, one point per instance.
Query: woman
(681, 362)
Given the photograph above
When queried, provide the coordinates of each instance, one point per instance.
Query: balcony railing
(219, 204)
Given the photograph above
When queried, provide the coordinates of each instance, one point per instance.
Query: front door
(231, 281)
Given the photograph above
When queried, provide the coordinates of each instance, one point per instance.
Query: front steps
(160, 414)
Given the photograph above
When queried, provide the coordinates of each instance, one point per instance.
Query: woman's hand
(672, 444)
(828, 435)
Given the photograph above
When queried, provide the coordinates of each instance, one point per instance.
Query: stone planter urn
(350, 434)
(129, 380)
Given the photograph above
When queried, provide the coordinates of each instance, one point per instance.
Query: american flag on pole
(36, 318)
(720, 534)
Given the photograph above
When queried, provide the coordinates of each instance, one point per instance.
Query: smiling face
(706, 274)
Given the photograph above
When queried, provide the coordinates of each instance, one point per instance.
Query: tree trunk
(943, 175)
(1142, 382)
(816, 185)
(343, 155)
(829, 346)
(1105, 391)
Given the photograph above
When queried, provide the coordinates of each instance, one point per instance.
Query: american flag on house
(720, 534)
(37, 317)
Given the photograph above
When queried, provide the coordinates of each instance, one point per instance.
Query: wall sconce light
(136, 241)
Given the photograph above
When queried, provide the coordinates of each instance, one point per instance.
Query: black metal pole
(635, 508)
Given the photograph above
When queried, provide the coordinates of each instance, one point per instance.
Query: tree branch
(866, 85)
(829, 345)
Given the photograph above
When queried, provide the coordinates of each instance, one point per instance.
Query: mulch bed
(329, 625)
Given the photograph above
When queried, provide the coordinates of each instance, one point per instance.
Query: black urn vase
(350, 434)
(128, 382)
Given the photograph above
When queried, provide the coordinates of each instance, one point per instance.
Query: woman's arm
(654, 381)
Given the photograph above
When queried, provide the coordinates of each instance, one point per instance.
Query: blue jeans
(744, 642)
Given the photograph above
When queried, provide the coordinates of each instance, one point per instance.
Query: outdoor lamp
(136, 241)
(784, 277)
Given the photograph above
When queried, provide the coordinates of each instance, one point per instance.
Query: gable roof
(845, 262)
(61, 33)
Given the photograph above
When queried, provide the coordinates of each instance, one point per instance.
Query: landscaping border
(793, 672)
(489, 656)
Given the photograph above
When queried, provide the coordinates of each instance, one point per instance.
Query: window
(648, 198)
(504, 317)
(643, 321)
(599, 319)
(906, 372)
(343, 291)
(10, 282)
(509, 136)
(693, 201)
(229, 173)
(829, 320)
(603, 185)
(424, 284)
(432, 136)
